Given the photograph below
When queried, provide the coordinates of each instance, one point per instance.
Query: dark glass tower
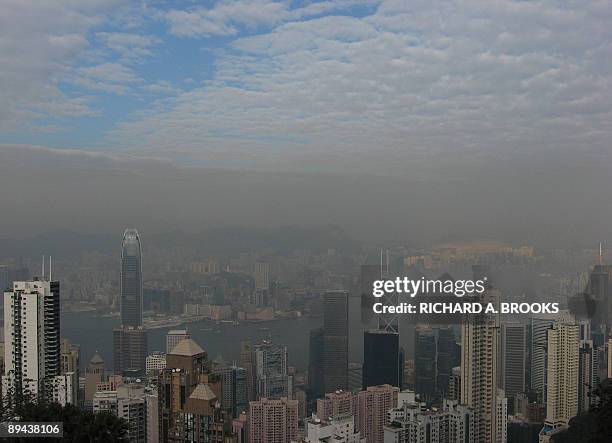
(130, 340)
(131, 279)
(425, 362)
(382, 359)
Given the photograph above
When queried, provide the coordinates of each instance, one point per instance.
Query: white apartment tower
(562, 372)
(32, 337)
(479, 365)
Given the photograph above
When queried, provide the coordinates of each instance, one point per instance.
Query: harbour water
(95, 333)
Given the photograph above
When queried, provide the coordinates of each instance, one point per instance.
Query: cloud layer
(379, 86)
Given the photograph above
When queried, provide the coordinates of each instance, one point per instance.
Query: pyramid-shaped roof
(187, 347)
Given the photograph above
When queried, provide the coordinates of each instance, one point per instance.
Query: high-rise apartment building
(32, 337)
(411, 423)
(273, 420)
(479, 364)
(562, 375)
(337, 404)
(373, 406)
(126, 402)
(339, 429)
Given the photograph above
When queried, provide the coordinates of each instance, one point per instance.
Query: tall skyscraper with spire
(130, 340)
(131, 279)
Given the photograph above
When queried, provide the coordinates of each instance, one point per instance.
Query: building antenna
(600, 253)
(43, 268)
(381, 263)
(49, 268)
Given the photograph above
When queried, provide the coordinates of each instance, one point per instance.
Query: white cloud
(38, 43)
(130, 47)
(226, 16)
(407, 84)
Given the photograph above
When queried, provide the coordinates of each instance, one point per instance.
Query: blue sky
(376, 85)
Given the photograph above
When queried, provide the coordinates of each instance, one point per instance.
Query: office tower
(355, 377)
(273, 420)
(131, 279)
(335, 340)
(271, 375)
(154, 363)
(328, 364)
(479, 363)
(262, 275)
(233, 382)
(382, 363)
(425, 362)
(152, 410)
(32, 336)
(340, 429)
(453, 423)
(130, 339)
(562, 373)
(190, 397)
(454, 384)
(513, 354)
(539, 326)
(246, 362)
(315, 364)
(130, 350)
(173, 337)
(588, 377)
(94, 374)
(446, 347)
(126, 402)
(373, 405)
(337, 404)
(600, 287)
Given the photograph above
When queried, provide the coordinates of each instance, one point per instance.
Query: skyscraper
(374, 404)
(479, 353)
(513, 353)
(131, 279)
(588, 377)
(190, 397)
(425, 362)
(562, 373)
(328, 366)
(273, 420)
(130, 339)
(335, 340)
(382, 362)
(271, 371)
(246, 362)
(32, 336)
(537, 351)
